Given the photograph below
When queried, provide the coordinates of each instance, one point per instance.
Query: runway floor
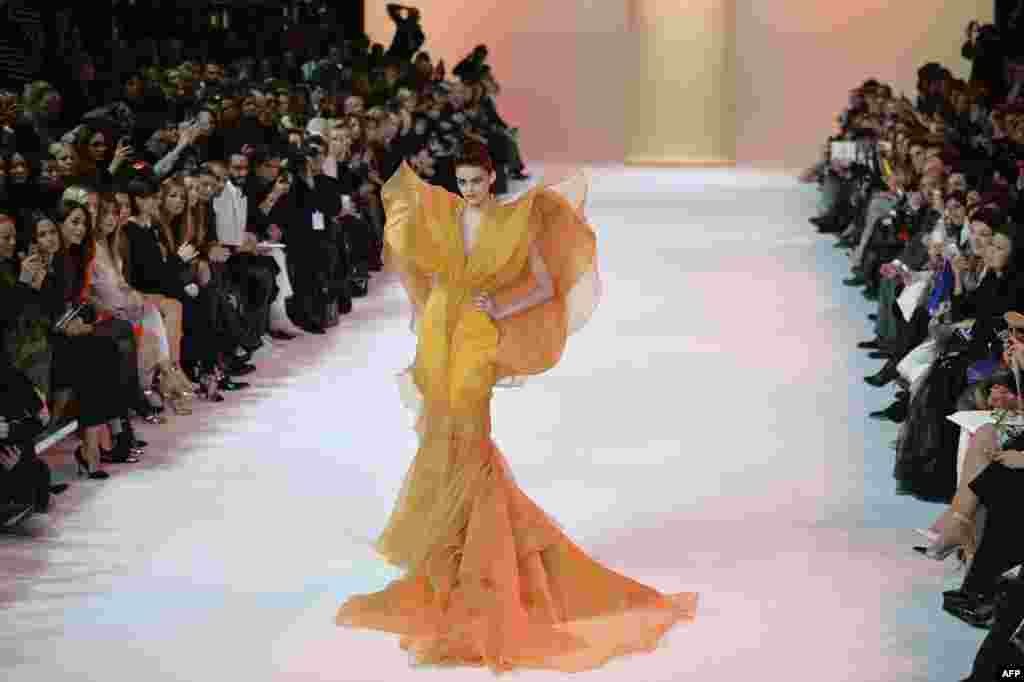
(706, 432)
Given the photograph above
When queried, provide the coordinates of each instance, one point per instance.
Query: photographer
(984, 47)
(315, 245)
(409, 37)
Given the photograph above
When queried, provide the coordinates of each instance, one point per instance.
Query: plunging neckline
(468, 253)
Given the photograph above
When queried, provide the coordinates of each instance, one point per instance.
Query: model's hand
(1013, 459)
(486, 304)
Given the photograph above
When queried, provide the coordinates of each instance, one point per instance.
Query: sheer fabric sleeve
(410, 248)
(532, 342)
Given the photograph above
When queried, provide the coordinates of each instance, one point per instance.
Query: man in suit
(247, 267)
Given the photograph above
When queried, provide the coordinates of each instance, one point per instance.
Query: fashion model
(491, 580)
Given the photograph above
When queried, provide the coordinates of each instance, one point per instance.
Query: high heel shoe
(122, 452)
(173, 395)
(209, 388)
(84, 470)
(940, 549)
(133, 438)
(185, 385)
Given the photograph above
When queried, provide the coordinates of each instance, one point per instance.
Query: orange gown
(490, 579)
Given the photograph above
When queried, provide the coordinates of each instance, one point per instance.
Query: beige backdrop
(562, 66)
(797, 61)
(682, 102)
(674, 81)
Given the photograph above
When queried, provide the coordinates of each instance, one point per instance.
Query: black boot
(884, 376)
(897, 412)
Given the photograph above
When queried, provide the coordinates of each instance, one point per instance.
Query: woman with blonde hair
(112, 295)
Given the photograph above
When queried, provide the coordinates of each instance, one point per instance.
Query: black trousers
(998, 654)
(316, 264)
(90, 366)
(122, 333)
(255, 280)
(28, 482)
(1002, 545)
(199, 324)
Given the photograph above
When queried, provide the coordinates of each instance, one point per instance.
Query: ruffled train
(509, 589)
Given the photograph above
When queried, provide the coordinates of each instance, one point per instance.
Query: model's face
(47, 237)
(174, 201)
(957, 182)
(214, 73)
(474, 184)
(981, 237)
(74, 226)
(999, 250)
(8, 238)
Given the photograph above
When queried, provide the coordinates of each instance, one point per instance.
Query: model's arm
(542, 293)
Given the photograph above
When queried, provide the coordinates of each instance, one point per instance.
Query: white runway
(706, 432)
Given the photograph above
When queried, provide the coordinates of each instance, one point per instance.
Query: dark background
(39, 37)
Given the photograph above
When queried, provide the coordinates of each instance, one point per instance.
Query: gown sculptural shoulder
(489, 579)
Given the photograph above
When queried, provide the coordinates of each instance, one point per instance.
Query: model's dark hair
(476, 155)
